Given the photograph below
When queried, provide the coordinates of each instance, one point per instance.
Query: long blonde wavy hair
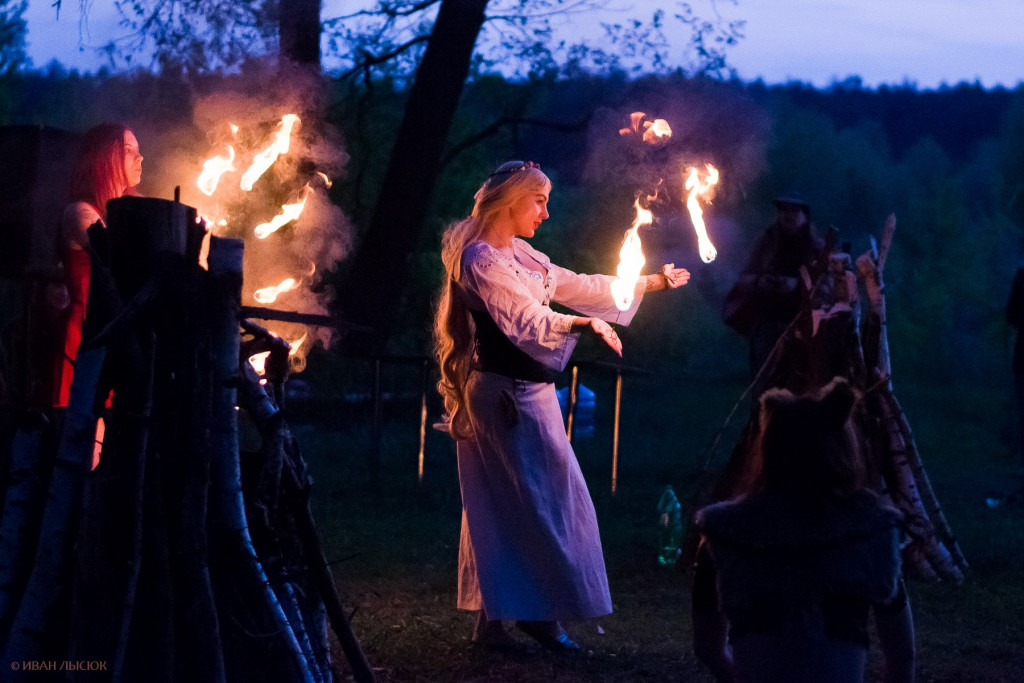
(454, 331)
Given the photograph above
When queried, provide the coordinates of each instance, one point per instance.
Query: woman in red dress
(108, 166)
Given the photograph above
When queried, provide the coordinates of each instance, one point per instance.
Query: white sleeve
(78, 217)
(590, 295)
(535, 329)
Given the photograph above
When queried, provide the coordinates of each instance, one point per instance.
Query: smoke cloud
(240, 116)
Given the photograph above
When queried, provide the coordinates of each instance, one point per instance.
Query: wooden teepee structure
(178, 558)
(829, 338)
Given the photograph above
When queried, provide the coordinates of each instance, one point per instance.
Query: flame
(289, 212)
(265, 159)
(657, 130)
(634, 123)
(701, 190)
(213, 223)
(231, 151)
(268, 295)
(204, 248)
(631, 259)
(258, 361)
(213, 169)
(651, 132)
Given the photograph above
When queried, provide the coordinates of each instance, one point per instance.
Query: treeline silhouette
(956, 117)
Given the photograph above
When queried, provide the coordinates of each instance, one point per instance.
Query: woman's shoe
(549, 634)
(491, 634)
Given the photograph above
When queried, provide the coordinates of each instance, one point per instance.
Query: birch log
(932, 551)
(32, 625)
(19, 521)
(230, 529)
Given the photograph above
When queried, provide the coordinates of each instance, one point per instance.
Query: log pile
(178, 558)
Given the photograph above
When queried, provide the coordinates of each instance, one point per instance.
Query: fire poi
(631, 256)
(701, 189)
(651, 132)
(631, 260)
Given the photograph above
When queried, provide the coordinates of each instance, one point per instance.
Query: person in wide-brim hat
(792, 199)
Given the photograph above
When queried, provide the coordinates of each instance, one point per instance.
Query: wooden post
(573, 387)
(615, 431)
(424, 381)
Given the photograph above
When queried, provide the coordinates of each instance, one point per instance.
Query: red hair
(99, 174)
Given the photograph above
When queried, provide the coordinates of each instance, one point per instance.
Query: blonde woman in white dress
(530, 550)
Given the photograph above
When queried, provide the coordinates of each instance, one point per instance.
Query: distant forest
(949, 162)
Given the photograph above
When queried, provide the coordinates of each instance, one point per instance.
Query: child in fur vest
(789, 571)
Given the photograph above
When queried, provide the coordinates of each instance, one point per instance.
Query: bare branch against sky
(924, 42)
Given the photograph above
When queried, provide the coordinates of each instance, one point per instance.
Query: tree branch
(506, 122)
(371, 60)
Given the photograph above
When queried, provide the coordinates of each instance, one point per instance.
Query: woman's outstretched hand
(601, 329)
(674, 277)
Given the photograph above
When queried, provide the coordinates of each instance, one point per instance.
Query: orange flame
(657, 130)
(258, 361)
(634, 123)
(289, 212)
(631, 259)
(211, 181)
(701, 190)
(652, 132)
(268, 295)
(213, 169)
(265, 159)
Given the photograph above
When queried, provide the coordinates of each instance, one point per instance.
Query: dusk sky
(925, 42)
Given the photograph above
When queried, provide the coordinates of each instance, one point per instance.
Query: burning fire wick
(631, 260)
(259, 360)
(699, 189)
(653, 132)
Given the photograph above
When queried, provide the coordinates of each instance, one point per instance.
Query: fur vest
(769, 551)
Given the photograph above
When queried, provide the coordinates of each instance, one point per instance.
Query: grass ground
(396, 550)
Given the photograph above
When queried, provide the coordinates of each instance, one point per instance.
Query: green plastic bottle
(670, 528)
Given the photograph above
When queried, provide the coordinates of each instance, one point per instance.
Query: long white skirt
(530, 547)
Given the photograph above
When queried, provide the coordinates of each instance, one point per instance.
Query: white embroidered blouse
(518, 298)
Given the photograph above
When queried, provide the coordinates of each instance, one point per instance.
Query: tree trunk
(299, 31)
(379, 273)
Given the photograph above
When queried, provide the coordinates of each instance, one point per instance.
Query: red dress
(78, 217)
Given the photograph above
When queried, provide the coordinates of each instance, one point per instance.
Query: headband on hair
(510, 167)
